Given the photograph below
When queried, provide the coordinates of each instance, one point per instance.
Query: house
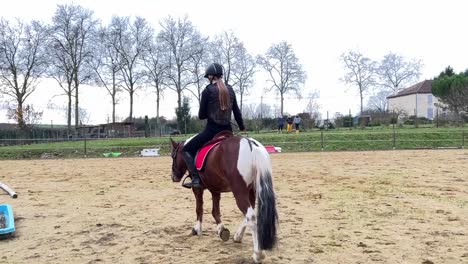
(416, 100)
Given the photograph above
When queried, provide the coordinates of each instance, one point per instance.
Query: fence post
(85, 147)
(463, 137)
(321, 137)
(394, 138)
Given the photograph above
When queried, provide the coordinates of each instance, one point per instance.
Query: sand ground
(334, 207)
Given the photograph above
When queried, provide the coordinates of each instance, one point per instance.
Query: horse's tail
(267, 216)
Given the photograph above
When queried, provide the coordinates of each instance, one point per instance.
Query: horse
(242, 166)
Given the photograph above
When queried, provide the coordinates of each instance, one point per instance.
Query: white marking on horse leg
(244, 162)
(198, 228)
(219, 228)
(258, 255)
(240, 231)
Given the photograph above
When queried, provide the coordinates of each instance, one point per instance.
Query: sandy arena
(342, 207)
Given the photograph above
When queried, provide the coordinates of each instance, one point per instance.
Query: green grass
(379, 138)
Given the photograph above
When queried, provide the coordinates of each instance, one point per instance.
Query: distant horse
(242, 166)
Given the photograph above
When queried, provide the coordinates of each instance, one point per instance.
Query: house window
(430, 113)
(429, 99)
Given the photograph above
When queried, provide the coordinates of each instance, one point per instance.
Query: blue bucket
(6, 212)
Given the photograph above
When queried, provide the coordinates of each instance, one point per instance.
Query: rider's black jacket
(210, 108)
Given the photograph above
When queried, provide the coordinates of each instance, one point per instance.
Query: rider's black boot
(190, 161)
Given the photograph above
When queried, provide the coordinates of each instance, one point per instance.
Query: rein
(239, 133)
(174, 157)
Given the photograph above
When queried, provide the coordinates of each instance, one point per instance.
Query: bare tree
(182, 42)
(61, 69)
(197, 66)
(131, 40)
(239, 66)
(395, 72)
(106, 65)
(313, 107)
(264, 111)
(29, 115)
(72, 29)
(243, 73)
(249, 111)
(156, 63)
(360, 71)
(85, 116)
(284, 70)
(22, 63)
(226, 48)
(378, 101)
(64, 109)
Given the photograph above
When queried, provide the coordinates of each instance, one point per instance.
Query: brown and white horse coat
(242, 166)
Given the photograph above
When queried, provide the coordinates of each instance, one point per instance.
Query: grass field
(327, 140)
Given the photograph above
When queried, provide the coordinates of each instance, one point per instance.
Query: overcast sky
(319, 31)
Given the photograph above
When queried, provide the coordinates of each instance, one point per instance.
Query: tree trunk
(179, 107)
(361, 120)
(20, 114)
(282, 103)
(241, 99)
(114, 94)
(20, 118)
(362, 102)
(179, 94)
(113, 109)
(69, 110)
(131, 105)
(157, 107)
(77, 113)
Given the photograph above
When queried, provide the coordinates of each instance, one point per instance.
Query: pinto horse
(242, 166)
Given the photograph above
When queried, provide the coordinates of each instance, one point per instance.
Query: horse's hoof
(194, 232)
(225, 234)
(237, 238)
(258, 257)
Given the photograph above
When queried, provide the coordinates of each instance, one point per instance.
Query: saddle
(207, 147)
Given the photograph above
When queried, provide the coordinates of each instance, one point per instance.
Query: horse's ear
(174, 144)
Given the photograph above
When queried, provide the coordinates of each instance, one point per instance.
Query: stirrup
(187, 184)
(191, 184)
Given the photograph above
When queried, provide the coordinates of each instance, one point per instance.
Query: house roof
(8, 126)
(421, 87)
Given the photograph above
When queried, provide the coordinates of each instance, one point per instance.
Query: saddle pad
(202, 154)
(271, 149)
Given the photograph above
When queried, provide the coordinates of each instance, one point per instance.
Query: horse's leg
(223, 233)
(197, 228)
(241, 229)
(252, 197)
(242, 195)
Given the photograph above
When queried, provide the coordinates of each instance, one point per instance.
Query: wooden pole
(321, 138)
(85, 154)
(463, 133)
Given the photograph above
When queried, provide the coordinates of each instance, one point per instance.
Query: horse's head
(178, 164)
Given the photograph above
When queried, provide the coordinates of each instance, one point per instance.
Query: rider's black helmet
(214, 69)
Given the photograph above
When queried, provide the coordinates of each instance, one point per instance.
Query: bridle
(174, 158)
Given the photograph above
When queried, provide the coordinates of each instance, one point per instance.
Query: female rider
(218, 100)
